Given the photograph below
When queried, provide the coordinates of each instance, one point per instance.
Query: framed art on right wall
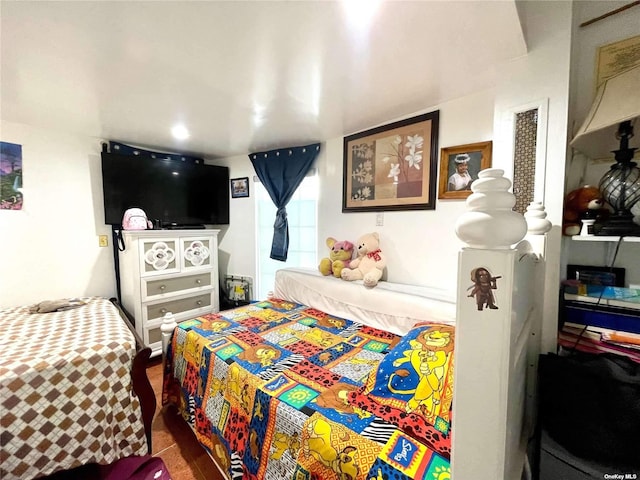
(392, 167)
(459, 167)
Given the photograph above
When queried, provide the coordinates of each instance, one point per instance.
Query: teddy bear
(369, 263)
(581, 203)
(340, 254)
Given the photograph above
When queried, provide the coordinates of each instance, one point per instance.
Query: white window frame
(509, 125)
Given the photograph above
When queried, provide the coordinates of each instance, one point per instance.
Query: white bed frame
(496, 358)
(495, 355)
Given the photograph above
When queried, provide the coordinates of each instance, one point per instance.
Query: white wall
(49, 249)
(237, 247)
(421, 246)
(542, 76)
(42, 257)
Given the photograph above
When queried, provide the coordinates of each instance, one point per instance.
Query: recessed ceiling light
(360, 13)
(180, 132)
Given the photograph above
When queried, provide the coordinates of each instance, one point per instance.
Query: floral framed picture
(393, 167)
(459, 167)
(239, 187)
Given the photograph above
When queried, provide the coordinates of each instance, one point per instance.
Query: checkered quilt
(277, 390)
(65, 388)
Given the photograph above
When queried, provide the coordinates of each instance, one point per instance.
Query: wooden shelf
(628, 303)
(596, 238)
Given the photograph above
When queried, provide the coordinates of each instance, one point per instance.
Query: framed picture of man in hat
(459, 167)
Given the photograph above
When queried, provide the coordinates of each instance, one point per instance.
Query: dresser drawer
(159, 256)
(196, 253)
(152, 288)
(153, 339)
(177, 306)
(153, 335)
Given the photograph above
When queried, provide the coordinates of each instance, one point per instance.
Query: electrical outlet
(103, 240)
(379, 219)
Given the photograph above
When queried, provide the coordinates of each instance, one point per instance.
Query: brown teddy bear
(583, 202)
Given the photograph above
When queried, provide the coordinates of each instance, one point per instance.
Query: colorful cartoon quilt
(277, 390)
(413, 386)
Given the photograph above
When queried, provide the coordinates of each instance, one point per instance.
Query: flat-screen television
(172, 193)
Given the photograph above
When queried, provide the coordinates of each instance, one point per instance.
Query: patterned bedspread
(65, 388)
(277, 390)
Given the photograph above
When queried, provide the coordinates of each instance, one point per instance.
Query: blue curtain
(281, 171)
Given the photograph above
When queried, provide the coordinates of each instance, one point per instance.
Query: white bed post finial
(168, 326)
(490, 221)
(536, 217)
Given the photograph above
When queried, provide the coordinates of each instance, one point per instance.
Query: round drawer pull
(198, 281)
(199, 302)
(163, 310)
(163, 287)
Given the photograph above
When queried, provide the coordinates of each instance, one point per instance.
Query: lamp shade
(617, 100)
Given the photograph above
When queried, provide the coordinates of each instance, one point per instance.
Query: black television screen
(171, 192)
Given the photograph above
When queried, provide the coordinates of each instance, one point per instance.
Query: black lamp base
(617, 226)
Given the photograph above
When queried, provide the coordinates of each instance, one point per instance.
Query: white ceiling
(243, 76)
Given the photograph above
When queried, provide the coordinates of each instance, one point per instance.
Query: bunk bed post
(169, 324)
(498, 321)
(492, 360)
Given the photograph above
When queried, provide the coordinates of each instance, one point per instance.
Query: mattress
(66, 391)
(392, 307)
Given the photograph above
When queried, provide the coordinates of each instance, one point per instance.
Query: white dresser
(168, 271)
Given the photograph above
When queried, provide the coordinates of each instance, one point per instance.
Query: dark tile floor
(173, 440)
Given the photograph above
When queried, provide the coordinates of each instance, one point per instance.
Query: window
(524, 159)
(302, 214)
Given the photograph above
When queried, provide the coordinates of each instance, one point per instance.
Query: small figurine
(483, 284)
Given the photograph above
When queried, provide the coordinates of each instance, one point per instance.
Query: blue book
(603, 315)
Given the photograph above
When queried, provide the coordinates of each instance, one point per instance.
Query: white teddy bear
(369, 263)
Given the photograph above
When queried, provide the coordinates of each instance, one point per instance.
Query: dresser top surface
(170, 232)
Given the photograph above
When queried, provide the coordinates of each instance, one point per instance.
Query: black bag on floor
(590, 404)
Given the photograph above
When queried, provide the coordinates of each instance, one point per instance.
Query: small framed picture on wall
(459, 167)
(239, 187)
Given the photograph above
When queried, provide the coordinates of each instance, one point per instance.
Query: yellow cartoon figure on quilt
(320, 446)
(427, 357)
